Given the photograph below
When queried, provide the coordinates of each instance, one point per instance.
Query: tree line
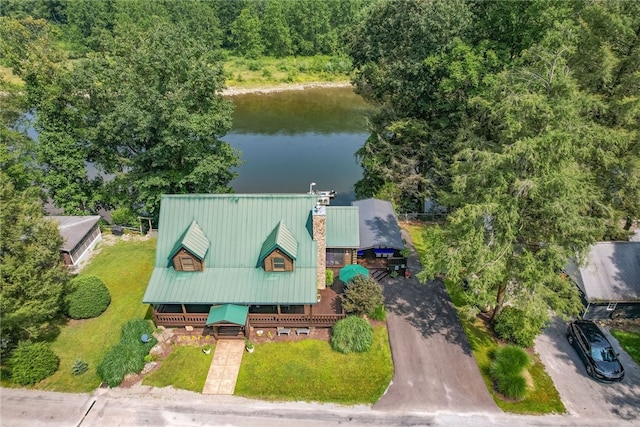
(522, 119)
(250, 28)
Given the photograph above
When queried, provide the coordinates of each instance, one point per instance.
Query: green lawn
(125, 268)
(630, 342)
(543, 399)
(186, 368)
(309, 370)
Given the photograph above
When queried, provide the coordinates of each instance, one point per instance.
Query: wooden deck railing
(257, 320)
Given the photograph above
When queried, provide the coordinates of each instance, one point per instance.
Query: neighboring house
(80, 235)
(233, 261)
(610, 281)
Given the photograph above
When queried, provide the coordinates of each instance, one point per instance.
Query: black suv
(595, 350)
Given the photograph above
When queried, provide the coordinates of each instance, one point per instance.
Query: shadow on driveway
(434, 366)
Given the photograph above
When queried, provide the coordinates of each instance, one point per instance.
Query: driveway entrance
(434, 367)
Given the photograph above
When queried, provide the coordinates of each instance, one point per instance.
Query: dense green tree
(32, 275)
(524, 187)
(275, 30)
(246, 34)
(155, 115)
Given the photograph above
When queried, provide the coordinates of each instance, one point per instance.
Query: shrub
(379, 313)
(352, 334)
(128, 355)
(329, 276)
(79, 367)
(32, 362)
(518, 326)
(363, 296)
(124, 216)
(88, 297)
(120, 360)
(506, 371)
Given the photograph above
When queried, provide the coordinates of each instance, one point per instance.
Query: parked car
(595, 351)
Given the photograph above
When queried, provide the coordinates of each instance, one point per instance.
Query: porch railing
(199, 320)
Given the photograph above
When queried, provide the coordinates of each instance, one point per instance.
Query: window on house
(611, 306)
(187, 263)
(278, 264)
(336, 257)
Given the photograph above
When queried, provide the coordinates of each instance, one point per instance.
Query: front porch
(324, 314)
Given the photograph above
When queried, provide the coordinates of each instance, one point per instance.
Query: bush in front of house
(31, 362)
(379, 313)
(518, 326)
(507, 370)
(120, 360)
(362, 296)
(353, 334)
(88, 297)
(128, 355)
(329, 277)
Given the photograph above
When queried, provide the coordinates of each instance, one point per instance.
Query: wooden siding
(277, 253)
(177, 264)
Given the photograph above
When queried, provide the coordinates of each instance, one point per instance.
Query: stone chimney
(320, 236)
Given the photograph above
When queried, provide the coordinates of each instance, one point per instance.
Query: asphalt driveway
(581, 395)
(434, 367)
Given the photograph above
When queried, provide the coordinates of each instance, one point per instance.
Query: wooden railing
(294, 320)
(258, 320)
(180, 319)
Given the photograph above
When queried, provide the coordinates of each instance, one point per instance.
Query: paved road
(434, 367)
(582, 396)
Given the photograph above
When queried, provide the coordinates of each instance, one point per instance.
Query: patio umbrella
(352, 270)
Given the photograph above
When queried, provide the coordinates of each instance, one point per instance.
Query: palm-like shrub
(32, 362)
(79, 367)
(506, 370)
(362, 296)
(352, 334)
(88, 297)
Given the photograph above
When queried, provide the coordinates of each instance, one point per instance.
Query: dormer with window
(279, 250)
(191, 250)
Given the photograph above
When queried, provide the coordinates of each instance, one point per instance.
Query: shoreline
(232, 91)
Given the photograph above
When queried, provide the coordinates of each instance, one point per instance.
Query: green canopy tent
(352, 270)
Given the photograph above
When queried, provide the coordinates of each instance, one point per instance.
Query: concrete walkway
(224, 368)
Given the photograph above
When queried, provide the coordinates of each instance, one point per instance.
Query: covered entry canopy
(228, 313)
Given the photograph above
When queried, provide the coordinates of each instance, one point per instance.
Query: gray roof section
(612, 272)
(74, 228)
(378, 225)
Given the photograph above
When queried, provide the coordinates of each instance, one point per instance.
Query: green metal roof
(343, 227)
(282, 239)
(195, 241)
(236, 226)
(228, 313)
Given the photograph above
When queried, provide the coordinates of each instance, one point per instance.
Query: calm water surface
(290, 139)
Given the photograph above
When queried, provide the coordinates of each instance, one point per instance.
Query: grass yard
(185, 368)
(630, 342)
(309, 370)
(543, 399)
(125, 268)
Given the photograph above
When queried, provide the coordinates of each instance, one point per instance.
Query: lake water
(293, 138)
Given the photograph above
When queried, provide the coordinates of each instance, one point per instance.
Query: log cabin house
(233, 261)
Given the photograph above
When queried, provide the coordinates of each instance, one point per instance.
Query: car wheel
(570, 339)
(589, 370)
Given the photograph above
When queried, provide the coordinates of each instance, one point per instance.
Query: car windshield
(603, 354)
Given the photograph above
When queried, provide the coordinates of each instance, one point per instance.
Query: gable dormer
(191, 250)
(279, 250)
